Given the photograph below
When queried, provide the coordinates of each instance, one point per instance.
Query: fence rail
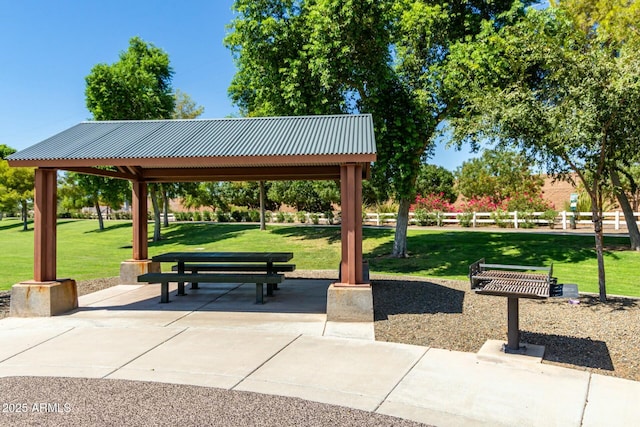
(514, 219)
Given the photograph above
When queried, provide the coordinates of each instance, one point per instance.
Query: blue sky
(49, 47)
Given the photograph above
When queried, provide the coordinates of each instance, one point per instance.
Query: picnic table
(222, 267)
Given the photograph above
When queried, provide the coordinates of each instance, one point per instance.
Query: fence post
(474, 219)
(515, 219)
(564, 220)
(617, 223)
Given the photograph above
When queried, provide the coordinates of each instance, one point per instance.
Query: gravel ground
(56, 402)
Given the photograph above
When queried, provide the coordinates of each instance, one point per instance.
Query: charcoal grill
(515, 282)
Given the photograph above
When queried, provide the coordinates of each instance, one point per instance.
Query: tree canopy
(371, 56)
(565, 97)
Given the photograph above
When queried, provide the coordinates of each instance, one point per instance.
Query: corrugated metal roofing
(201, 138)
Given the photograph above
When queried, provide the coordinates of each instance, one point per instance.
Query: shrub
(222, 216)
(465, 219)
(301, 216)
(280, 216)
(433, 203)
(254, 215)
(197, 216)
(206, 216)
(501, 218)
(527, 216)
(315, 218)
(329, 216)
(421, 216)
(550, 216)
(268, 216)
(237, 216)
(288, 217)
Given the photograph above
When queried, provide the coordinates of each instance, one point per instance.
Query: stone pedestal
(43, 299)
(351, 303)
(131, 269)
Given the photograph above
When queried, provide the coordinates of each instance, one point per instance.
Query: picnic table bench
(165, 278)
(222, 267)
(514, 282)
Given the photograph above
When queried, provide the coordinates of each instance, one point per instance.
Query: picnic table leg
(274, 286)
(164, 292)
(270, 288)
(259, 293)
(181, 284)
(513, 326)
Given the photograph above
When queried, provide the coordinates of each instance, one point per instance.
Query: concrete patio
(217, 336)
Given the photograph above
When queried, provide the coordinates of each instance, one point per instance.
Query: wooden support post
(140, 224)
(45, 206)
(351, 203)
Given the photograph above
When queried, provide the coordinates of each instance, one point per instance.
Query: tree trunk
(96, 205)
(25, 215)
(263, 225)
(402, 223)
(165, 206)
(153, 192)
(597, 226)
(630, 219)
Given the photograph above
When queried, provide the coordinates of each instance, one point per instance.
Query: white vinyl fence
(512, 219)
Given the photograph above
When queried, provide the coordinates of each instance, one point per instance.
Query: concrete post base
(43, 299)
(352, 303)
(131, 269)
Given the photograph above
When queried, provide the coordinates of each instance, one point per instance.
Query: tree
(16, 187)
(368, 56)
(434, 179)
(5, 151)
(136, 87)
(305, 196)
(615, 23)
(79, 190)
(561, 95)
(499, 175)
(185, 107)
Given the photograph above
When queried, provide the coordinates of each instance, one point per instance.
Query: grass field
(84, 252)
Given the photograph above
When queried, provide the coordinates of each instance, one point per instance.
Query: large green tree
(616, 23)
(499, 175)
(370, 56)
(562, 95)
(16, 186)
(136, 87)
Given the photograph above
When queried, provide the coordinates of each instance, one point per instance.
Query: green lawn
(85, 253)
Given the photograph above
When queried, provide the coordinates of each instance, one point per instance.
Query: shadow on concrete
(572, 350)
(293, 296)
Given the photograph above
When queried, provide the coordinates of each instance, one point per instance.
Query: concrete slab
(15, 341)
(86, 352)
(349, 303)
(449, 388)
(289, 323)
(207, 357)
(493, 351)
(354, 373)
(353, 330)
(104, 294)
(612, 402)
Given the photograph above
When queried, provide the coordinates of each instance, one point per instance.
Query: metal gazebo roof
(297, 147)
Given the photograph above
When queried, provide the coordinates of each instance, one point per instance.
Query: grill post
(513, 327)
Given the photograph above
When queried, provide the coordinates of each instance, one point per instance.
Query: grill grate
(516, 288)
(511, 275)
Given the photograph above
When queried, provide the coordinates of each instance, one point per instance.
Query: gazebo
(337, 147)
